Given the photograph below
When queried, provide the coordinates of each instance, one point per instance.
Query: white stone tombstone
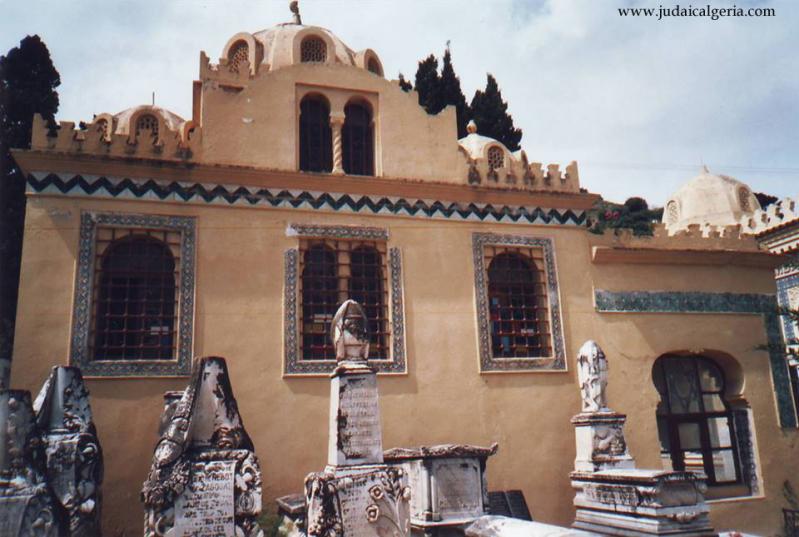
(357, 494)
(205, 479)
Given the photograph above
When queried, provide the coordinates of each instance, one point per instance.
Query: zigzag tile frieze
(150, 189)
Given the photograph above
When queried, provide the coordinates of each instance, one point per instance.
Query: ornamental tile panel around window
(294, 364)
(556, 360)
(84, 308)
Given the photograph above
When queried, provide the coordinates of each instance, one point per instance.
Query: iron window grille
(517, 300)
(313, 50)
(239, 53)
(357, 140)
(332, 271)
(695, 422)
(316, 146)
(135, 294)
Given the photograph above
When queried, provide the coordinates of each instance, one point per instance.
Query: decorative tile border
(83, 306)
(249, 196)
(293, 364)
(784, 286)
(698, 302)
(742, 421)
(487, 362)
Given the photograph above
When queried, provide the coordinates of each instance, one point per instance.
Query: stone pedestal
(355, 434)
(205, 480)
(74, 459)
(26, 504)
(634, 502)
(600, 442)
(448, 484)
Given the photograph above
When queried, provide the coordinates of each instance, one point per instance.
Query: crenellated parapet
(776, 215)
(693, 237)
(490, 163)
(144, 132)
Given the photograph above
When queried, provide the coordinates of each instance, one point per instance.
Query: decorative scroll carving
(74, 458)
(204, 464)
(592, 371)
(26, 505)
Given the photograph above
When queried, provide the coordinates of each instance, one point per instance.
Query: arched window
(237, 55)
(517, 307)
(103, 128)
(136, 296)
(147, 128)
(374, 66)
(496, 159)
(744, 199)
(695, 422)
(357, 140)
(313, 50)
(316, 147)
(319, 301)
(366, 288)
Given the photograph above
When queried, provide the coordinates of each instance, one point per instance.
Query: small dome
(171, 120)
(477, 145)
(709, 199)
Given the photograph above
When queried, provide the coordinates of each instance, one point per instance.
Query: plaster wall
(442, 398)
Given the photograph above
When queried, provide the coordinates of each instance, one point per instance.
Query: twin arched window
(695, 422)
(136, 301)
(517, 306)
(316, 137)
(333, 271)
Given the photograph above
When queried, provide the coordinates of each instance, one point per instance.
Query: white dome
(709, 199)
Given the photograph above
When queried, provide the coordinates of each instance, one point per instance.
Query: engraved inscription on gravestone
(459, 487)
(359, 405)
(205, 509)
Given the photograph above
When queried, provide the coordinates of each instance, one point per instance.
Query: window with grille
(695, 422)
(237, 55)
(517, 300)
(147, 127)
(316, 147)
(331, 272)
(357, 140)
(496, 159)
(313, 50)
(135, 294)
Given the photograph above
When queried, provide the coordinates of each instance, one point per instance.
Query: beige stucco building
(304, 176)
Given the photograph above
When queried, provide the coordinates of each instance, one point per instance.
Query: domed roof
(709, 199)
(122, 119)
(278, 43)
(476, 145)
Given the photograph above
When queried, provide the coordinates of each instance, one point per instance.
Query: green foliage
(765, 199)
(428, 85)
(633, 214)
(451, 94)
(405, 85)
(490, 113)
(270, 523)
(27, 86)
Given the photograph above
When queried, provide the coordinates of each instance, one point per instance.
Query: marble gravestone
(448, 485)
(612, 496)
(73, 457)
(26, 504)
(356, 495)
(205, 480)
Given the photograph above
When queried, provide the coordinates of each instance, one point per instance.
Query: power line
(689, 167)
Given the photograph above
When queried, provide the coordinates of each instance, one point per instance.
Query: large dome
(709, 199)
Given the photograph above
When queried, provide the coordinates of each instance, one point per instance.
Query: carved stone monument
(205, 480)
(73, 457)
(356, 495)
(612, 496)
(448, 485)
(26, 505)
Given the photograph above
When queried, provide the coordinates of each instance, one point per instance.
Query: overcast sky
(639, 103)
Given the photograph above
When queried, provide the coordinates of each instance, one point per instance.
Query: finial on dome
(471, 128)
(705, 169)
(294, 6)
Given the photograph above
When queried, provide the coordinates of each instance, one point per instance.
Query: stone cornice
(608, 255)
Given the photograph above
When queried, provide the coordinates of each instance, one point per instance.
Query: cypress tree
(404, 84)
(428, 85)
(490, 113)
(27, 85)
(451, 93)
